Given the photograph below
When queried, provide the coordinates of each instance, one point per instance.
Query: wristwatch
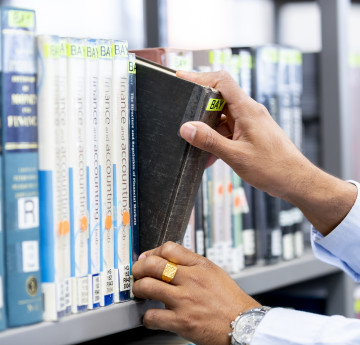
(243, 327)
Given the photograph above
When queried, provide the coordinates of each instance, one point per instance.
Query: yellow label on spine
(215, 104)
(132, 67)
(75, 50)
(120, 49)
(63, 48)
(51, 51)
(22, 19)
(105, 51)
(92, 52)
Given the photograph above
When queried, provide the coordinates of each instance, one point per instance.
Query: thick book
(133, 171)
(20, 166)
(170, 169)
(53, 177)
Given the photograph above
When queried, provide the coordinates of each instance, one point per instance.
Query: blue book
(20, 166)
(2, 256)
(134, 209)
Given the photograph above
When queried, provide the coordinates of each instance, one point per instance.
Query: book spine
(52, 178)
(106, 173)
(239, 205)
(207, 210)
(79, 231)
(62, 183)
(133, 171)
(120, 107)
(189, 237)
(20, 167)
(248, 233)
(199, 223)
(2, 253)
(92, 171)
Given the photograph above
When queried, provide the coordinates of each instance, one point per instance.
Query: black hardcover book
(169, 169)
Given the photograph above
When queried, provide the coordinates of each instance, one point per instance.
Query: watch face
(246, 325)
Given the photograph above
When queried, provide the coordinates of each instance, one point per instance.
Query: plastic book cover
(79, 230)
(20, 166)
(121, 175)
(53, 178)
(92, 170)
(106, 161)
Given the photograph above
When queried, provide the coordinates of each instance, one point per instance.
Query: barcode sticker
(30, 256)
(249, 241)
(82, 290)
(60, 296)
(67, 295)
(124, 277)
(96, 289)
(108, 284)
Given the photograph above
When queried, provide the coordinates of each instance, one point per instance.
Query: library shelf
(120, 317)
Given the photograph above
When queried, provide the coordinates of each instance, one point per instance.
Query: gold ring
(169, 272)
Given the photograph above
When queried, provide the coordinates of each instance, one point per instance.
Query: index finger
(175, 253)
(221, 81)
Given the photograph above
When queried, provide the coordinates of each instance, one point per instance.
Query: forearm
(324, 199)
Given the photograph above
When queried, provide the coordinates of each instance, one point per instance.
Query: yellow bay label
(92, 52)
(105, 51)
(132, 67)
(51, 51)
(120, 49)
(75, 50)
(22, 19)
(215, 104)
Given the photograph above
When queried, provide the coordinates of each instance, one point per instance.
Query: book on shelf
(170, 169)
(120, 108)
(79, 229)
(106, 152)
(134, 182)
(53, 177)
(20, 166)
(2, 254)
(92, 170)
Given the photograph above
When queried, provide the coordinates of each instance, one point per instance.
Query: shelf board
(260, 279)
(120, 317)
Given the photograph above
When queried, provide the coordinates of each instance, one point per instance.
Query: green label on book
(22, 19)
(215, 104)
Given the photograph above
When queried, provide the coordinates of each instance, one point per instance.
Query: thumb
(205, 138)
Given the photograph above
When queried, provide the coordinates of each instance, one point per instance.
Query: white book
(106, 173)
(120, 112)
(92, 169)
(54, 183)
(79, 225)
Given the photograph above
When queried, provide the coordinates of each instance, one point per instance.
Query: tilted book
(20, 166)
(170, 169)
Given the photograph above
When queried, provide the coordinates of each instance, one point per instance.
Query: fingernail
(188, 131)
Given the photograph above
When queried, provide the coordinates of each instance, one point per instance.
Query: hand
(201, 300)
(257, 149)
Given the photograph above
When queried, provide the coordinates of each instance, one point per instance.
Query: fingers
(160, 319)
(221, 81)
(153, 266)
(205, 138)
(151, 288)
(177, 254)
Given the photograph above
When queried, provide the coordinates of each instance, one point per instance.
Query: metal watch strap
(262, 309)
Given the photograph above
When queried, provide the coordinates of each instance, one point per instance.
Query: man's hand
(200, 301)
(257, 149)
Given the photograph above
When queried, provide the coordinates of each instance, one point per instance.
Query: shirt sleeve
(341, 247)
(291, 327)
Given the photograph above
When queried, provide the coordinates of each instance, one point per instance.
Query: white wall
(199, 24)
(112, 19)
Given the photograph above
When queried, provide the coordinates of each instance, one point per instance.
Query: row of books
(69, 166)
(232, 223)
